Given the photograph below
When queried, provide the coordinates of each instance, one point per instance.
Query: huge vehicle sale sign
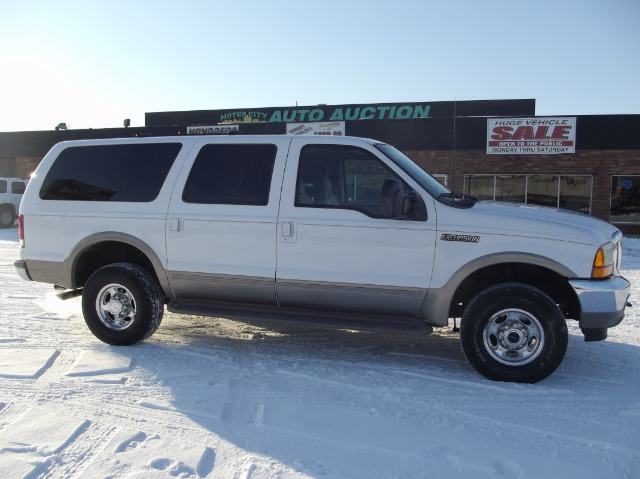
(531, 136)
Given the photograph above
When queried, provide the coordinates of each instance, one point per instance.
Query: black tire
(122, 304)
(7, 216)
(513, 332)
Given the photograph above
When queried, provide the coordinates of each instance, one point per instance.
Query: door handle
(175, 224)
(288, 232)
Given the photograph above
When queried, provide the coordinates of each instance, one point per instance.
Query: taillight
(21, 230)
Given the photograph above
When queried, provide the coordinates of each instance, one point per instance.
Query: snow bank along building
(492, 149)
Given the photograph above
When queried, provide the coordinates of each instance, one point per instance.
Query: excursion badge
(461, 238)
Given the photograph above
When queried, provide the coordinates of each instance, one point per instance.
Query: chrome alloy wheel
(116, 307)
(513, 337)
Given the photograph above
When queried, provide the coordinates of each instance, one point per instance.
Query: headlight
(604, 261)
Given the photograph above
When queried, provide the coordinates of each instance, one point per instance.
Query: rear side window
(3, 186)
(133, 172)
(231, 175)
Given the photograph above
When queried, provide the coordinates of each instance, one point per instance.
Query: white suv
(11, 191)
(342, 232)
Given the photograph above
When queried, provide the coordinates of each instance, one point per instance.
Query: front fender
(437, 303)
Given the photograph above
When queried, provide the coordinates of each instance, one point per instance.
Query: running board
(302, 317)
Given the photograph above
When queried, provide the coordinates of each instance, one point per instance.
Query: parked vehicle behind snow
(11, 190)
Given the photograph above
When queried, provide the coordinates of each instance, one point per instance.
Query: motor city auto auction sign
(349, 112)
(531, 136)
(325, 113)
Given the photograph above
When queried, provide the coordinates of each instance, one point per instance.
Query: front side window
(125, 172)
(434, 187)
(231, 174)
(338, 176)
(3, 186)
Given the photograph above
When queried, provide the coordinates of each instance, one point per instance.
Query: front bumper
(602, 303)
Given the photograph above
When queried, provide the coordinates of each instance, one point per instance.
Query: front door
(334, 250)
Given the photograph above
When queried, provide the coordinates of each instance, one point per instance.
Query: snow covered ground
(212, 398)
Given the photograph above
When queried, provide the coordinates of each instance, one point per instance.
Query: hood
(514, 219)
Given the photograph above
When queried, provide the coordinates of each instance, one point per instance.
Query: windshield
(424, 179)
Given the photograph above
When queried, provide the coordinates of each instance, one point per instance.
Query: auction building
(491, 149)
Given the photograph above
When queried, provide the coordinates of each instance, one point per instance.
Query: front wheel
(513, 332)
(122, 304)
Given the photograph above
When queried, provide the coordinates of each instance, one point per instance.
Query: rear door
(334, 249)
(221, 225)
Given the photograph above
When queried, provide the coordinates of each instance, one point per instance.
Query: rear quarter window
(126, 173)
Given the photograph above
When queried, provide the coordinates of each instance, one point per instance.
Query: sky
(92, 64)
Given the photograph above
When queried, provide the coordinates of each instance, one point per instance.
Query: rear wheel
(513, 332)
(122, 304)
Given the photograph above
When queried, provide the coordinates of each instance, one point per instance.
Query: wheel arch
(105, 248)
(543, 273)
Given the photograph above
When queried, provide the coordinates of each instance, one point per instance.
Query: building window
(482, 187)
(569, 192)
(542, 190)
(511, 188)
(575, 193)
(625, 199)
(442, 178)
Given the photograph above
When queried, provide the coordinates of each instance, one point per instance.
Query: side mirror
(391, 205)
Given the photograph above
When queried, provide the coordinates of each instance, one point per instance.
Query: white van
(340, 232)
(11, 191)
